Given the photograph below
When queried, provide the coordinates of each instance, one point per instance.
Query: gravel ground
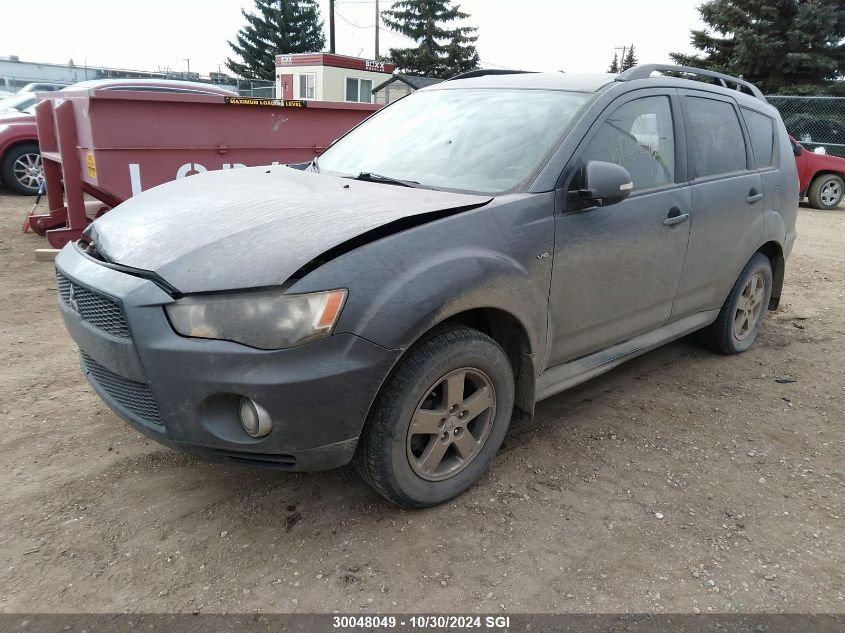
(680, 482)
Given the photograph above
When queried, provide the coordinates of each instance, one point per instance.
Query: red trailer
(112, 143)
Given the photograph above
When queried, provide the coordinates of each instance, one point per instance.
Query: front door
(617, 268)
(286, 86)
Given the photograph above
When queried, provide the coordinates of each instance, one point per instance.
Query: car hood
(14, 116)
(825, 161)
(255, 226)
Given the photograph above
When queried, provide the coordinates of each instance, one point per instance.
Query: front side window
(359, 90)
(640, 137)
(761, 129)
(476, 140)
(716, 143)
(307, 83)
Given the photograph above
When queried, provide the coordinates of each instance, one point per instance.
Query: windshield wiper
(368, 176)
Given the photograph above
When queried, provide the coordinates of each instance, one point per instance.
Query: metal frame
(643, 71)
(483, 72)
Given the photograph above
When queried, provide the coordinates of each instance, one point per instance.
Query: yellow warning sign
(92, 165)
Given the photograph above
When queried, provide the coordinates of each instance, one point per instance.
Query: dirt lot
(744, 468)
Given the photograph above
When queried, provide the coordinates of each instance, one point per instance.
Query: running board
(562, 377)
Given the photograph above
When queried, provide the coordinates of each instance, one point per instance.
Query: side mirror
(604, 183)
(797, 149)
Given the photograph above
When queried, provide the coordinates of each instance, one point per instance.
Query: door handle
(753, 196)
(675, 217)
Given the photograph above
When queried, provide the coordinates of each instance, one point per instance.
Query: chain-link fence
(814, 121)
(255, 88)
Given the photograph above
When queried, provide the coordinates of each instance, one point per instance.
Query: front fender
(402, 285)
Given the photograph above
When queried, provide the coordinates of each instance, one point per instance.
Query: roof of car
(681, 76)
(574, 82)
(160, 84)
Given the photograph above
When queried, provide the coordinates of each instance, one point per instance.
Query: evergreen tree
(785, 46)
(275, 27)
(614, 65)
(630, 59)
(440, 52)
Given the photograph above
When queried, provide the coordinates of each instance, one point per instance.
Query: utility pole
(624, 50)
(331, 26)
(188, 59)
(378, 19)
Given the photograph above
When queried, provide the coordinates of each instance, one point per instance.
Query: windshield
(478, 140)
(17, 102)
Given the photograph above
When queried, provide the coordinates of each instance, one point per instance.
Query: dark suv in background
(467, 251)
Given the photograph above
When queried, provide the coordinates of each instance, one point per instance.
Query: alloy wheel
(27, 170)
(831, 193)
(749, 306)
(451, 424)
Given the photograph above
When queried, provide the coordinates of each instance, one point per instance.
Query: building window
(307, 82)
(359, 90)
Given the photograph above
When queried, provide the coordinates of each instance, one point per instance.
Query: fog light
(254, 418)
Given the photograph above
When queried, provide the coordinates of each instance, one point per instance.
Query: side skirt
(562, 377)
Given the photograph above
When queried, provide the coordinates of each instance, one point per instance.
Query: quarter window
(639, 136)
(716, 143)
(762, 132)
(359, 90)
(307, 82)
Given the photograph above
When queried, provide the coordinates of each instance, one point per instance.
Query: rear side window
(640, 137)
(761, 129)
(716, 143)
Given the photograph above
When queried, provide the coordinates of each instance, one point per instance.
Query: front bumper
(184, 392)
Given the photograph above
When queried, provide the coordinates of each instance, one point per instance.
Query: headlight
(264, 319)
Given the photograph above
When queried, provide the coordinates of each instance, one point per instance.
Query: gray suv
(465, 252)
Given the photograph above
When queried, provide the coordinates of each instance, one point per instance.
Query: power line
(350, 23)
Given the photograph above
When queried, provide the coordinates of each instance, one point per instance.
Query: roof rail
(482, 72)
(643, 71)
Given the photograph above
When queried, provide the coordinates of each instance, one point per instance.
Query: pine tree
(786, 46)
(630, 59)
(614, 65)
(441, 52)
(275, 27)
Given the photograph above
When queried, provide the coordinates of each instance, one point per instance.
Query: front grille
(133, 396)
(99, 310)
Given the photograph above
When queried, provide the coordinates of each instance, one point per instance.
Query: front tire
(21, 168)
(439, 420)
(826, 191)
(736, 328)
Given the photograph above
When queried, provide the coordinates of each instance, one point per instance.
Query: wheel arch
(825, 172)
(511, 334)
(504, 328)
(774, 252)
(17, 143)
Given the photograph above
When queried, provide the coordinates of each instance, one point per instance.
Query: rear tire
(740, 318)
(826, 191)
(21, 169)
(455, 388)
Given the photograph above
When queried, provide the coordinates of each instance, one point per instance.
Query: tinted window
(716, 144)
(639, 136)
(761, 129)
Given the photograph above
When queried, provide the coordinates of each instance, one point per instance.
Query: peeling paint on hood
(252, 227)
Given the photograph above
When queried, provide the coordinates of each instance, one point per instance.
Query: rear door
(727, 201)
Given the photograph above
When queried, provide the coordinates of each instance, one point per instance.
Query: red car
(821, 176)
(20, 160)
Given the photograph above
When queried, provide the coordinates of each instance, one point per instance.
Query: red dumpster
(113, 143)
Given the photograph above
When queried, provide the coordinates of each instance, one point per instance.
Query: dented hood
(255, 226)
